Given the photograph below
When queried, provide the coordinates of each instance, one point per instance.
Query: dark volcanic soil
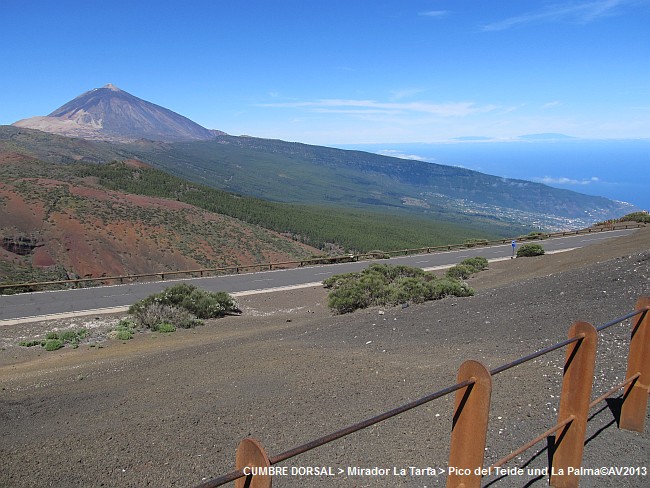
(169, 410)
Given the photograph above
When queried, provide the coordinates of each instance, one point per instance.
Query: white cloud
(449, 109)
(398, 154)
(396, 95)
(555, 103)
(434, 13)
(547, 180)
(581, 13)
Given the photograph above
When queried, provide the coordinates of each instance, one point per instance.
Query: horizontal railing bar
(621, 319)
(613, 390)
(534, 355)
(367, 423)
(531, 443)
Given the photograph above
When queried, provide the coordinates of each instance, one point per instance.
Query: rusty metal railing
(472, 404)
(162, 275)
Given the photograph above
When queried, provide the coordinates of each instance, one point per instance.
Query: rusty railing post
(469, 429)
(251, 454)
(635, 399)
(574, 402)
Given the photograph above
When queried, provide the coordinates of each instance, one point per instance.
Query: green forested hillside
(301, 173)
(320, 226)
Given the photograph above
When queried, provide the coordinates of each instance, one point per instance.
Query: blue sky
(343, 72)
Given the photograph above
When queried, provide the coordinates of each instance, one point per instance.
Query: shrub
(450, 287)
(347, 298)
(479, 263)
(337, 280)
(165, 327)
(53, 344)
(467, 267)
(153, 314)
(56, 340)
(460, 272)
(392, 272)
(382, 284)
(529, 250)
(71, 336)
(202, 304)
(406, 289)
(124, 330)
(124, 334)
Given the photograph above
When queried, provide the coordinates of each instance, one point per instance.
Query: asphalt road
(39, 304)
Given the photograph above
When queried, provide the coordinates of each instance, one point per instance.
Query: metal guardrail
(162, 275)
(472, 404)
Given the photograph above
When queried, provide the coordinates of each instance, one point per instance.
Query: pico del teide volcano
(111, 114)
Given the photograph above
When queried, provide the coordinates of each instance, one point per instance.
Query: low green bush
(56, 340)
(460, 272)
(467, 268)
(124, 331)
(124, 334)
(382, 284)
(203, 304)
(530, 250)
(450, 287)
(53, 344)
(407, 288)
(336, 281)
(165, 327)
(479, 263)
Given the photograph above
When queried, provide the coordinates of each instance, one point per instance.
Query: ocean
(616, 169)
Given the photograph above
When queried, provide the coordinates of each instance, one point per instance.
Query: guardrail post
(574, 402)
(635, 399)
(250, 453)
(469, 429)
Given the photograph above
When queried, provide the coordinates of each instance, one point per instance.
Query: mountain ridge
(109, 113)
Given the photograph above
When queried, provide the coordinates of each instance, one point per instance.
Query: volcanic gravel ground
(170, 409)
